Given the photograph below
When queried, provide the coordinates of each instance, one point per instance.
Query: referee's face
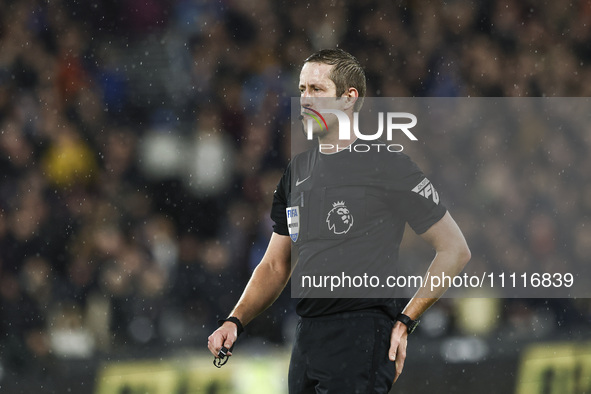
(315, 81)
(314, 85)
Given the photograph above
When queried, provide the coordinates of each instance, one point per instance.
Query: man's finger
(400, 358)
(214, 343)
(211, 346)
(394, 344)
(399, 366)
(392, 355)
(228, 345)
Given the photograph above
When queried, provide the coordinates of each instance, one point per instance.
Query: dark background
(141, 141)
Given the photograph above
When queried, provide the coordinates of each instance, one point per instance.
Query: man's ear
(351, 96)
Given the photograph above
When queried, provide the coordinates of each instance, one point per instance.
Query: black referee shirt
(347, 211)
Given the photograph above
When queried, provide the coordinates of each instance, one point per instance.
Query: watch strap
(234, 320)
(410, 324)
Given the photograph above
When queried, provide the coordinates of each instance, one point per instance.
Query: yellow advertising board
(555, 368)
(264, 374)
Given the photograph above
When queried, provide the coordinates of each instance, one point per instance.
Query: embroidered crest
(293, 222)
(339, 218)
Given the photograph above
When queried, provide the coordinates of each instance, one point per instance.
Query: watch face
(413, 326)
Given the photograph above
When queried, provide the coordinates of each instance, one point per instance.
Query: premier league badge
(293, 222)
(339, 219)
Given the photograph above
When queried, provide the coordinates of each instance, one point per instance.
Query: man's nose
(306, 99)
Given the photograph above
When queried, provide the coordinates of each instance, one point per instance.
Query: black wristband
(234, 320)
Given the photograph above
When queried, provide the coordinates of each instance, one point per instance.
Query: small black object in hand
(222, 357)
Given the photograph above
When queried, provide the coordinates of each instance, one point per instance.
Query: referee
(334, 204)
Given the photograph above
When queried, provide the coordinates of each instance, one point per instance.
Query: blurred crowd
(141, 141)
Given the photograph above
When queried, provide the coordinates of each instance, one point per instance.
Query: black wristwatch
(410, 324)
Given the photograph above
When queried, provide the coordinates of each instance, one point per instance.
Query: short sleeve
(421, 205)
(280, 199)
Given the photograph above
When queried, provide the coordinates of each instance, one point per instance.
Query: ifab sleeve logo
(426, 189)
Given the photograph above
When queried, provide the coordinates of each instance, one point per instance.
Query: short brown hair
(346, 73)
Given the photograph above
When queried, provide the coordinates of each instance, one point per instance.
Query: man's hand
(224, 336)
(397, 352)
(266, 283)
